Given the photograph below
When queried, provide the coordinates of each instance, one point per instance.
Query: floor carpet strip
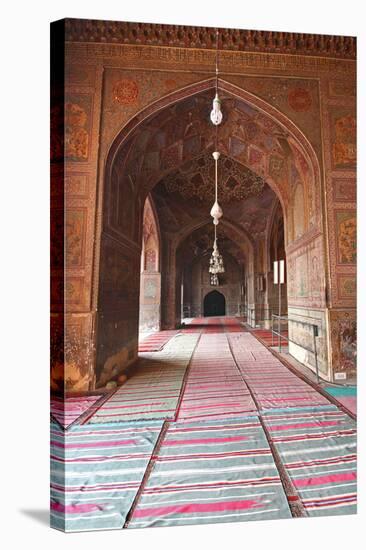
(214, 325)
(273, 384)
(214, 386)
(212, 428)
(233, 324)
(69, 409)
(156, 341)
(266, 337)
(209, 472)
(194, 325)
(152, 393)
(96, 473)
(318, 450)
(346, 395)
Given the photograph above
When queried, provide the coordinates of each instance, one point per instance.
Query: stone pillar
(150, 296)
(168, 284)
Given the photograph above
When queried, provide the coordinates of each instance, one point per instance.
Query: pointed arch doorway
(214, 304)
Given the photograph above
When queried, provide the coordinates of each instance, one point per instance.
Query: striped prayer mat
(156, 341)
(151, 393)
(318, 450)
(68, 410)
(273, 385)
(210, 473)
(193, 327)
(96, 473)
(346, 395)
(266, 337)
(214, 386)
(213, 326)
(233, 324)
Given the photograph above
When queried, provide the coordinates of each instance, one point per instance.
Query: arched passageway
(193, 255)
(214, 304)
(166, 152)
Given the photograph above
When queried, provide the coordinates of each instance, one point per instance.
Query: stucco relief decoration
(302, 285)
(256, 157)
(344, 190)
(299, 99)
(344, 331)
(277, 167)
(79, 74)
(342, 88)
(125, 92)
(150, 260)
(299, 214)
(170, 84)
(300, 161)
(170, 157)
(315, 277)
(196, 180)
(77, 114)
(346, 230)
(150, 289)
(75, 236)
(347, 287)
(76, 185)
(344, 147)
(74, 289)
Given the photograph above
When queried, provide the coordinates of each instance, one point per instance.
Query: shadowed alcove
(214, 304)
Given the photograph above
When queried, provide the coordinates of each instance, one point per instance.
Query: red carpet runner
(274, 386)
(156, 341)
(214, 387)
(268, 340)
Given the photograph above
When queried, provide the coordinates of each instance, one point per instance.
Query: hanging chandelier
(216, 261)
(214, 280)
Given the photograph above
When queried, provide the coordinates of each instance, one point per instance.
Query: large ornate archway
(155, 143)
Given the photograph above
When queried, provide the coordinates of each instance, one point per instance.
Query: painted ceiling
(171, 156)
(199, 243)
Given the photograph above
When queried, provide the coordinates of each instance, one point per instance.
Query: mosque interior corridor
(203, 275)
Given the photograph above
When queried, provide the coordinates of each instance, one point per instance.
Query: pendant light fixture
(216, 261)
(216, 210)
(216, 114)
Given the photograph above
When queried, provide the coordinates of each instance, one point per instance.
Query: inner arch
(164, 139)
(214, 304)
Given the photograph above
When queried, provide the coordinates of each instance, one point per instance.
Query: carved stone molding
(119, 32)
